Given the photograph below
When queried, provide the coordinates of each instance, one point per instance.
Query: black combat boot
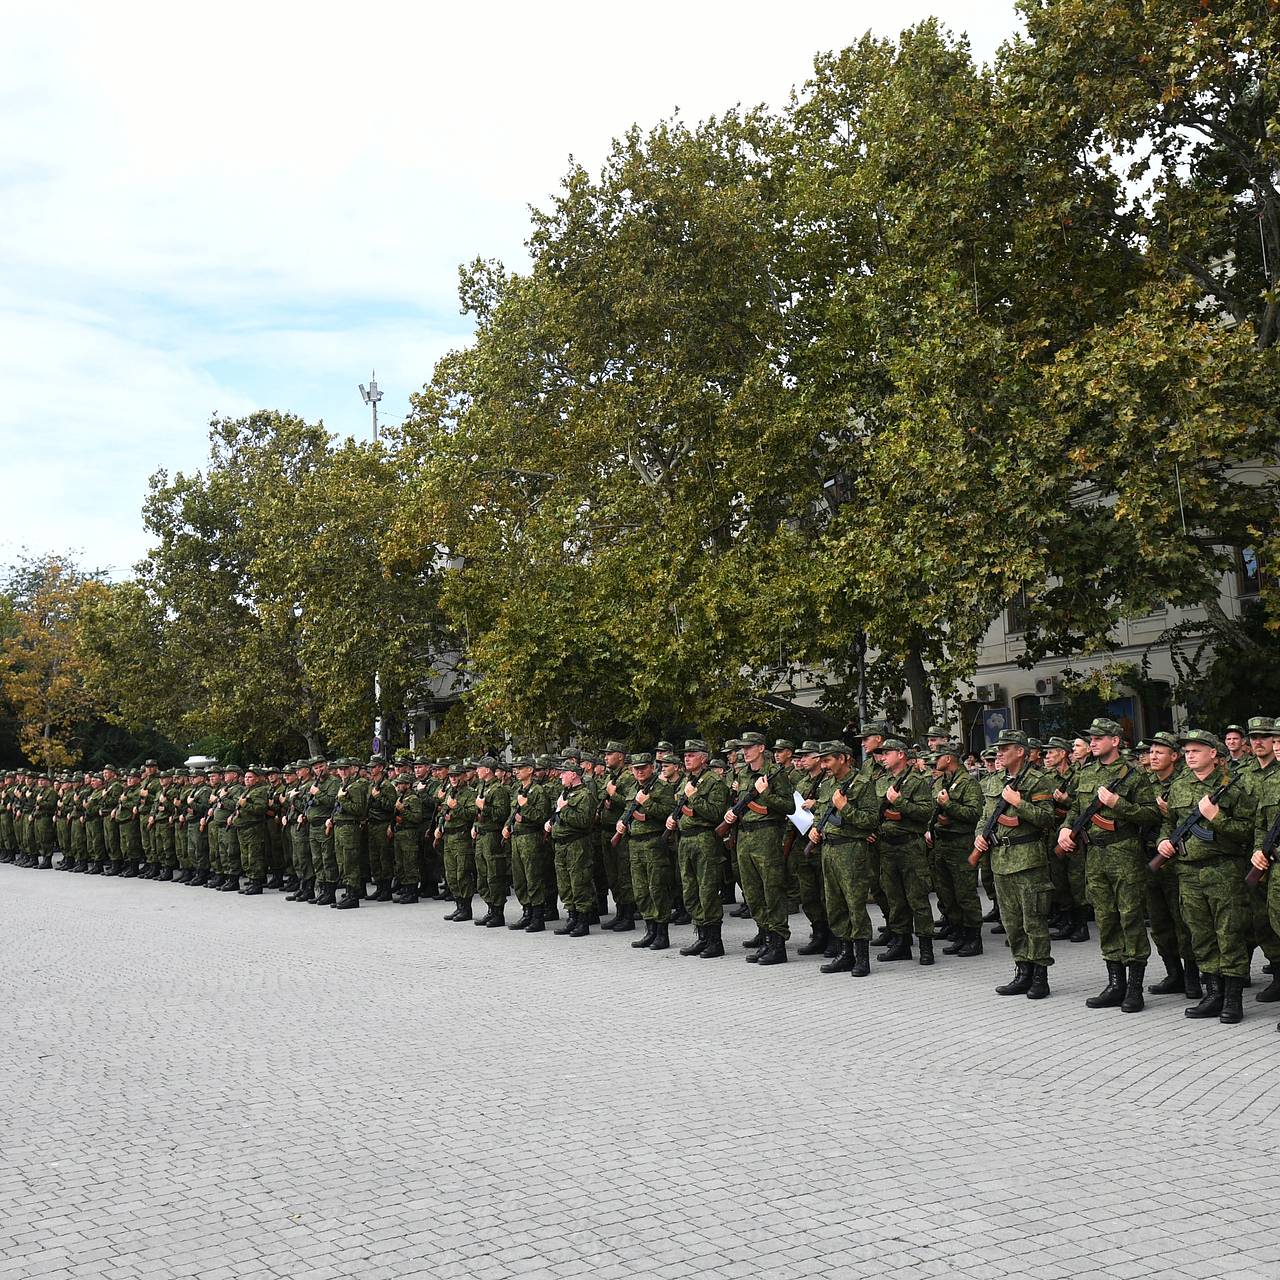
(817, 943)
(699, 943)
(94, 869)
(1039, 987)
(728, 895)
(349, 901)
(273, 881)
(681, 916)
(1192, 989)
(497, 916)
(899, 948)
(958, 938)
(1270, 993)
(650, 933)
(482, 922)
(1211, 1005)
(971, 946)
(325, 898)
(628, 918)
(884, 938)
(457, 908)
(842, 962)
(832, 949)
(464, 909)
(1133, 1001)
(129, 871)
(861, 967)
(201, 877)
(252, 889)
(537, 922)
(215, 880)
(289, 883)
(926, 950)
(1063, 927)
(582, 928)
(570, 924)
(661, 939)
(523, 922)
(742, 911)
(231, 884)
(754, 957)
(1173, 979)
(1081, 931)
(1020, 983)
(407, 895)
(1232, 996)
(301, 892)
(108, 868)
(715, 943)
(992, 916)
(775, 951)
(1112, 995)
(166, 873)
(756, 941)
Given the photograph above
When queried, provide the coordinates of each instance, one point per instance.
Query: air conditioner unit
(989, 693)
(1047, 687)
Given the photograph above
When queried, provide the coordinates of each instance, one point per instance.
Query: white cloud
(250, 205)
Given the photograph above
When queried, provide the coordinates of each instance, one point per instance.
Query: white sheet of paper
(802, 819)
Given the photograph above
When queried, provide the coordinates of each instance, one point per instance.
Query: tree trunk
(918, 684)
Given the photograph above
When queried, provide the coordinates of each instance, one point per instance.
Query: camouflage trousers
(1117, 884)
(1025, 898)
(253, 852)
(1169, 930)
(324, 859)
(130, 841)
(460, 865)
(300, 839)
(653, 876)
(574, 879)
(807, 881)
(95, 845)
(763, 876)
(493, 871)
(904, 879)
(44, 836)
(1216, 909)
(612, 870)
(956, 882)
(1069, 877)
(380, 848)
(346, 848)
(529, 858)
(846, 883)
(700, 857)
(405, 848)
(164, 847)
(1261, 933)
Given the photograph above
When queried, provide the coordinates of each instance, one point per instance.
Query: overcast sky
(240, 206)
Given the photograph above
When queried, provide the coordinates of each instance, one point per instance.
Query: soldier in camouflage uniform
(1019, 862)
(957, 806)
(1117, 866)
(699, 855)
(1262, 740)
(525, 828)
(493, 872)
(1212, 867)
(408, 821)
(570, 830)
(804, 859)
(1067, 875)
(457, 815)
(1266, 838)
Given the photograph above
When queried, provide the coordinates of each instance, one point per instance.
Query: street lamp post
(371, 398)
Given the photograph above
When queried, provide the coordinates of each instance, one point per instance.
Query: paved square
(197, 1084)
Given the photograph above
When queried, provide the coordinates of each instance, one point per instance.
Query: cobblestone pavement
(200, 1085)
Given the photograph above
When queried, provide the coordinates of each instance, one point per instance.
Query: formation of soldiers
(1168, 842)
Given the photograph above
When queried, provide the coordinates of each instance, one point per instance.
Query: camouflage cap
(1201, 737)
(1262, 727)
(1011, 738)
(545, 761)
(668, 757)
(731, 744)
(457, 770)
(784, 744)
(1057, 744)
(1104, 727)
(892, 744)
(947, 749)
(486, 762)
(664, 745)
(718, 762)
(640, 757)
(1235, 728)
(834, 747)
(877, 728)
(571, 753)
(524, 762)
(752, 740)
(1166, 739)
(808, 747)
(937, 731)
(613, 745)
(1034, 744)
(696, 746)
(570, 764)
(988, 753)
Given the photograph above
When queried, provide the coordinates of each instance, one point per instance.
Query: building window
(1026, 714)
(1016, 614)
(1248, 572)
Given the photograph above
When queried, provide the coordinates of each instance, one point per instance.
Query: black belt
(1012, 842)
(899, 837)
(1104, 838)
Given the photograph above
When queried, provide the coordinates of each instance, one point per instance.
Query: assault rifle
(749, 793)
(1080, 827)
(1002, 807)
(1180, 833)
(1269, 842)
(629, 815)
(833, 819)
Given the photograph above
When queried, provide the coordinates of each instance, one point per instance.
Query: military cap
(731, 744)
(106, 768)
(151, 764)
(937, 731)
(544, 761)
(317, 760)
(696, 746)
(892, 744)
(135, 770)
(254, 768)
(1262, 727)
(664, 745)
(1142, 744)
(1202, 737)
(640, 757)
(231, 768)
(614, 745)
(570, 764)
(456, 770)
(1103, 727)
(947, 749)
(809, 746)
(879, 728)
(1035, 744)
(988, 753)
(834, 747)
(1011, 738)
(718, 762)
(487, 762)
(1166, 739)
(752, 740)
(784, 744)
(668, 757)
(571, 753)
(1057, 744)
(1235, 728)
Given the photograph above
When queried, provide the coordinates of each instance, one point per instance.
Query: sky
(242, 206)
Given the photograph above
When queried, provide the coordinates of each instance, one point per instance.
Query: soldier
(1067, 875)
(380, 828)
(249, 821)
(906, 805)
(493, 873)
(804, 858)
(1019, 863)
(846, 814)
(228, 835)
(457, 816)
(759, 845)
(872, 735)
(703, 800)
(618, 786)
(350, 812)
(1266, 829)
(957, 806)
(1116, 870)
(1263, 779)
(570, 830)
(408, 820)
(321, 796)
(1169, 931)
(127, 823)
(1236, 740)
(45, 807)
(653, 865)
(197, 829)
(525, 829)
(1211, 871)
